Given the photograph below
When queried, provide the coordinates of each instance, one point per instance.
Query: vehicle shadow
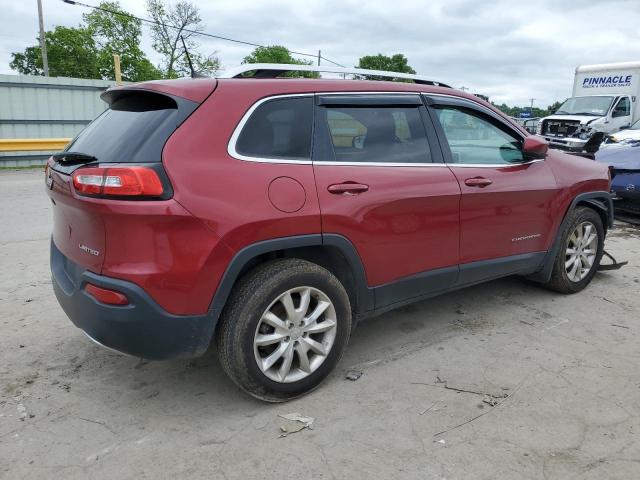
(201, 383)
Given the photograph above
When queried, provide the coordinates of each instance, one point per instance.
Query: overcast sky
(508, 50)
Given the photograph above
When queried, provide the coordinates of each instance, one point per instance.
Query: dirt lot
(504, 380)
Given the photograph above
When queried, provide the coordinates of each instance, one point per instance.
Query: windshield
(596, 106)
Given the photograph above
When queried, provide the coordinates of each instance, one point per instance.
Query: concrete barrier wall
(45, 107)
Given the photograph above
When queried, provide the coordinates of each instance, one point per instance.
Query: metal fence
(34, 107)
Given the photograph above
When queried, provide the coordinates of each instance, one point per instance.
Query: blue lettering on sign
(607, 81)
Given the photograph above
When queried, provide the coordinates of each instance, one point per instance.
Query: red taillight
(103, 295)
(118, 181)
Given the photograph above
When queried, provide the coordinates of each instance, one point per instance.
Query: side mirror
(535, 147)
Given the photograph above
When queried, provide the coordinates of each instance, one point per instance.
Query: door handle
(347, 188)
(478, 182)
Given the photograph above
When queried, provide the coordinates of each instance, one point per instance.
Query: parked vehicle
(604, 101)
(269, 216)
(632, 133)
(531, 125)
(623, 160)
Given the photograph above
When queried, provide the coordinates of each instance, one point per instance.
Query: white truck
(605, 100)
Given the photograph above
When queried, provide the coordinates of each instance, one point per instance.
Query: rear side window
(134, 129)
(279, 128)
(378, 134)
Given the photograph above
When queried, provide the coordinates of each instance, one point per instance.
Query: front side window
(279, 128)
(379, 134)
(623, 108)
(474, 139)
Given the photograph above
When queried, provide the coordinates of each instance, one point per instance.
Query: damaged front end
(623, 159)
(572, 135)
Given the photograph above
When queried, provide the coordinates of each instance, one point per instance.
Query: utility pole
(464, 89)
(116, 65)
(531, 109)
(319, 57)
(43, 44)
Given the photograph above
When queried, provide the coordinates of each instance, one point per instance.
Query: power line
(195, 32)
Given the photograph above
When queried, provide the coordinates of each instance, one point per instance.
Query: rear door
(383, 186)
(505, 209)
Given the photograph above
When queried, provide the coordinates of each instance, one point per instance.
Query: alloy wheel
(580, 255)
(295, 334)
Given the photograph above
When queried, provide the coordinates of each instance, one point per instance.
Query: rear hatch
(116, 160)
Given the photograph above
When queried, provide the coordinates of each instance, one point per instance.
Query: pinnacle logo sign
(607, 81)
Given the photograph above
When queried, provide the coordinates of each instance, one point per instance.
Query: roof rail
(273, 70)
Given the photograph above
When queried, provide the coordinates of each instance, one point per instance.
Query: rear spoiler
(193, 89)
(144, 99)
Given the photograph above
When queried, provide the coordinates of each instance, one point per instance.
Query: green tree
(172, 21)
(87, 51)
(554, 107)
(279, 54)
(72, 52)
(396, 63)
(535, 112)
(119, 33)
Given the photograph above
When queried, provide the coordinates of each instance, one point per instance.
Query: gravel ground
(502, 380)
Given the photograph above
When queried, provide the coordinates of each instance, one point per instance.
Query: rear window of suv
(278, 128)
(378, 134)
(133, 129)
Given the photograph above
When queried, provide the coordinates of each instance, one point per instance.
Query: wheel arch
(331, 251)
(602, 206)
(599, 201)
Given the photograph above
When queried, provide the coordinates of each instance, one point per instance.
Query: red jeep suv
(269, 215)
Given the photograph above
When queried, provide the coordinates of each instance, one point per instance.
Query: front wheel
(581, 249)
(284, 329)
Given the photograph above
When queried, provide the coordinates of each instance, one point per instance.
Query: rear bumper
(142, 328)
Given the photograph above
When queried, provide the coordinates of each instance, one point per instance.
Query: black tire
(560, 281)
(250, 298)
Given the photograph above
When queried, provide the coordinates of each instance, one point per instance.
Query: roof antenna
(194, 74)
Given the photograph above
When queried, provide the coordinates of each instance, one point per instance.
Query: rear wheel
(285, 327)
(580, 252)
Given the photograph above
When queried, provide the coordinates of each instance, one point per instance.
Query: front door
(621, 115)
(382, 184)
(505, 210)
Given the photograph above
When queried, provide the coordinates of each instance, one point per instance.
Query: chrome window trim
(231, 146)
(493, 165)
(450, 165)
(379, 164)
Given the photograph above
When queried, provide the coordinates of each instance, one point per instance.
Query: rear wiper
(67, 158)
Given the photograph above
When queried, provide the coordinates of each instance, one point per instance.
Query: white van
(604, 101)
